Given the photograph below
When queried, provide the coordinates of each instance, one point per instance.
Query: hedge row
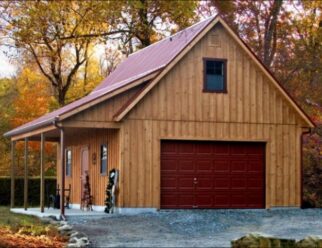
(33, 190)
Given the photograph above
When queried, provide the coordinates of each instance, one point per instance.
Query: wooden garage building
(192, 121)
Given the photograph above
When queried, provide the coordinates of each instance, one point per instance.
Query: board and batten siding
(93, 139)
(177, 108)
(105, 111)
(78, 138)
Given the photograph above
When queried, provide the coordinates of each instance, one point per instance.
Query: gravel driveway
(198, 228)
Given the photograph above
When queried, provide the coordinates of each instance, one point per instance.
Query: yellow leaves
(33, 97)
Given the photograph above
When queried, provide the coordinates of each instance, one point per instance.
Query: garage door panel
(169, 165)
(203, 149)
(221, 183)
(186, 166)
(221, 166)
(252, 166)
(169, 182)
(254, 183)
(203, 166)
(185, 183)
(237, 149)
(254, 197)
(185, 200)
(238, 166)
(204, 201)
(238, 183)
(169, 200)
(212, 174)
(186, 148)
(204, 183)
(169, 149)
(254, 149)
(238, 199)
(221, 200)
(221, 149)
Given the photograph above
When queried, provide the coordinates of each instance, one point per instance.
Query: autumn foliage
(10, 239)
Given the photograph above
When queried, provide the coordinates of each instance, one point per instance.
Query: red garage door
(212, 174)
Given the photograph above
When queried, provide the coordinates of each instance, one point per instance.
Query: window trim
(205, 90)
(103, 173)
(66, 161)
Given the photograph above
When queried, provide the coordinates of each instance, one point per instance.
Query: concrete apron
(75, 212)
(55, 213)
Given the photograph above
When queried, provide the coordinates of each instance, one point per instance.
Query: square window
(215, 75)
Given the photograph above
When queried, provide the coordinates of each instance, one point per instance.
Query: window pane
(103, 159)
(215, 67)
(215, 82)
(214, 75)
(68, 162)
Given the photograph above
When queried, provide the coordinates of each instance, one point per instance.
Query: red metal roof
(136, 66)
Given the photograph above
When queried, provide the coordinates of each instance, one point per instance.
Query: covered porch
(75, 136)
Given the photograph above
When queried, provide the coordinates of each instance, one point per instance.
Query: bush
(33, 190)
(312, 169)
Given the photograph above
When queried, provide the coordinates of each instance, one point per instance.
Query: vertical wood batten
(25, 201)
(42, 172)
(12, 196)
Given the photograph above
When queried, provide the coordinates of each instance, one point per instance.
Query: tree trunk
(61, 97)
(145, 30)
(270, 37)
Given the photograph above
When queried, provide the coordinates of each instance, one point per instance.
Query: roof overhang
(26, 129)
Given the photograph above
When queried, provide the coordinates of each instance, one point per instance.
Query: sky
(7, 69)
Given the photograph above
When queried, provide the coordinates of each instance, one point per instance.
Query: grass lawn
(18, 230)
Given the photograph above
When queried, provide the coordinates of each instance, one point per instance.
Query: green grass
(24, 224)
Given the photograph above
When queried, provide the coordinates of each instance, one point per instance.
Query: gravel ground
(197, 228)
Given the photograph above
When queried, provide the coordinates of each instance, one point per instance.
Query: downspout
(62, 159)
(302, 181)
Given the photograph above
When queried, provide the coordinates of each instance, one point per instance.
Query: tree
(138, 23)
(257, 23)
(109, 60)
(32, 100)
(57, 35)
(305, 64)
(7, 94)
(86, 79)
(35, 28)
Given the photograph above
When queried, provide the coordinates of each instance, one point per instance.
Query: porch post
(12, 196)
(25, 202)
(42, 172)
(62, 171)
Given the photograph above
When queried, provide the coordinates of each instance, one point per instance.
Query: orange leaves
(14, 239)
(33, 97)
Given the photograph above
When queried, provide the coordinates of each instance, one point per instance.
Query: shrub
(33, 190)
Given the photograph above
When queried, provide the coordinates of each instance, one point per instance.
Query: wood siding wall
(105, 111)
(177, 108)
(141, 157)
(92, 138)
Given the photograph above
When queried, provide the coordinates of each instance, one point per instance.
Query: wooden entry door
(212, 174)
(84, 167)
